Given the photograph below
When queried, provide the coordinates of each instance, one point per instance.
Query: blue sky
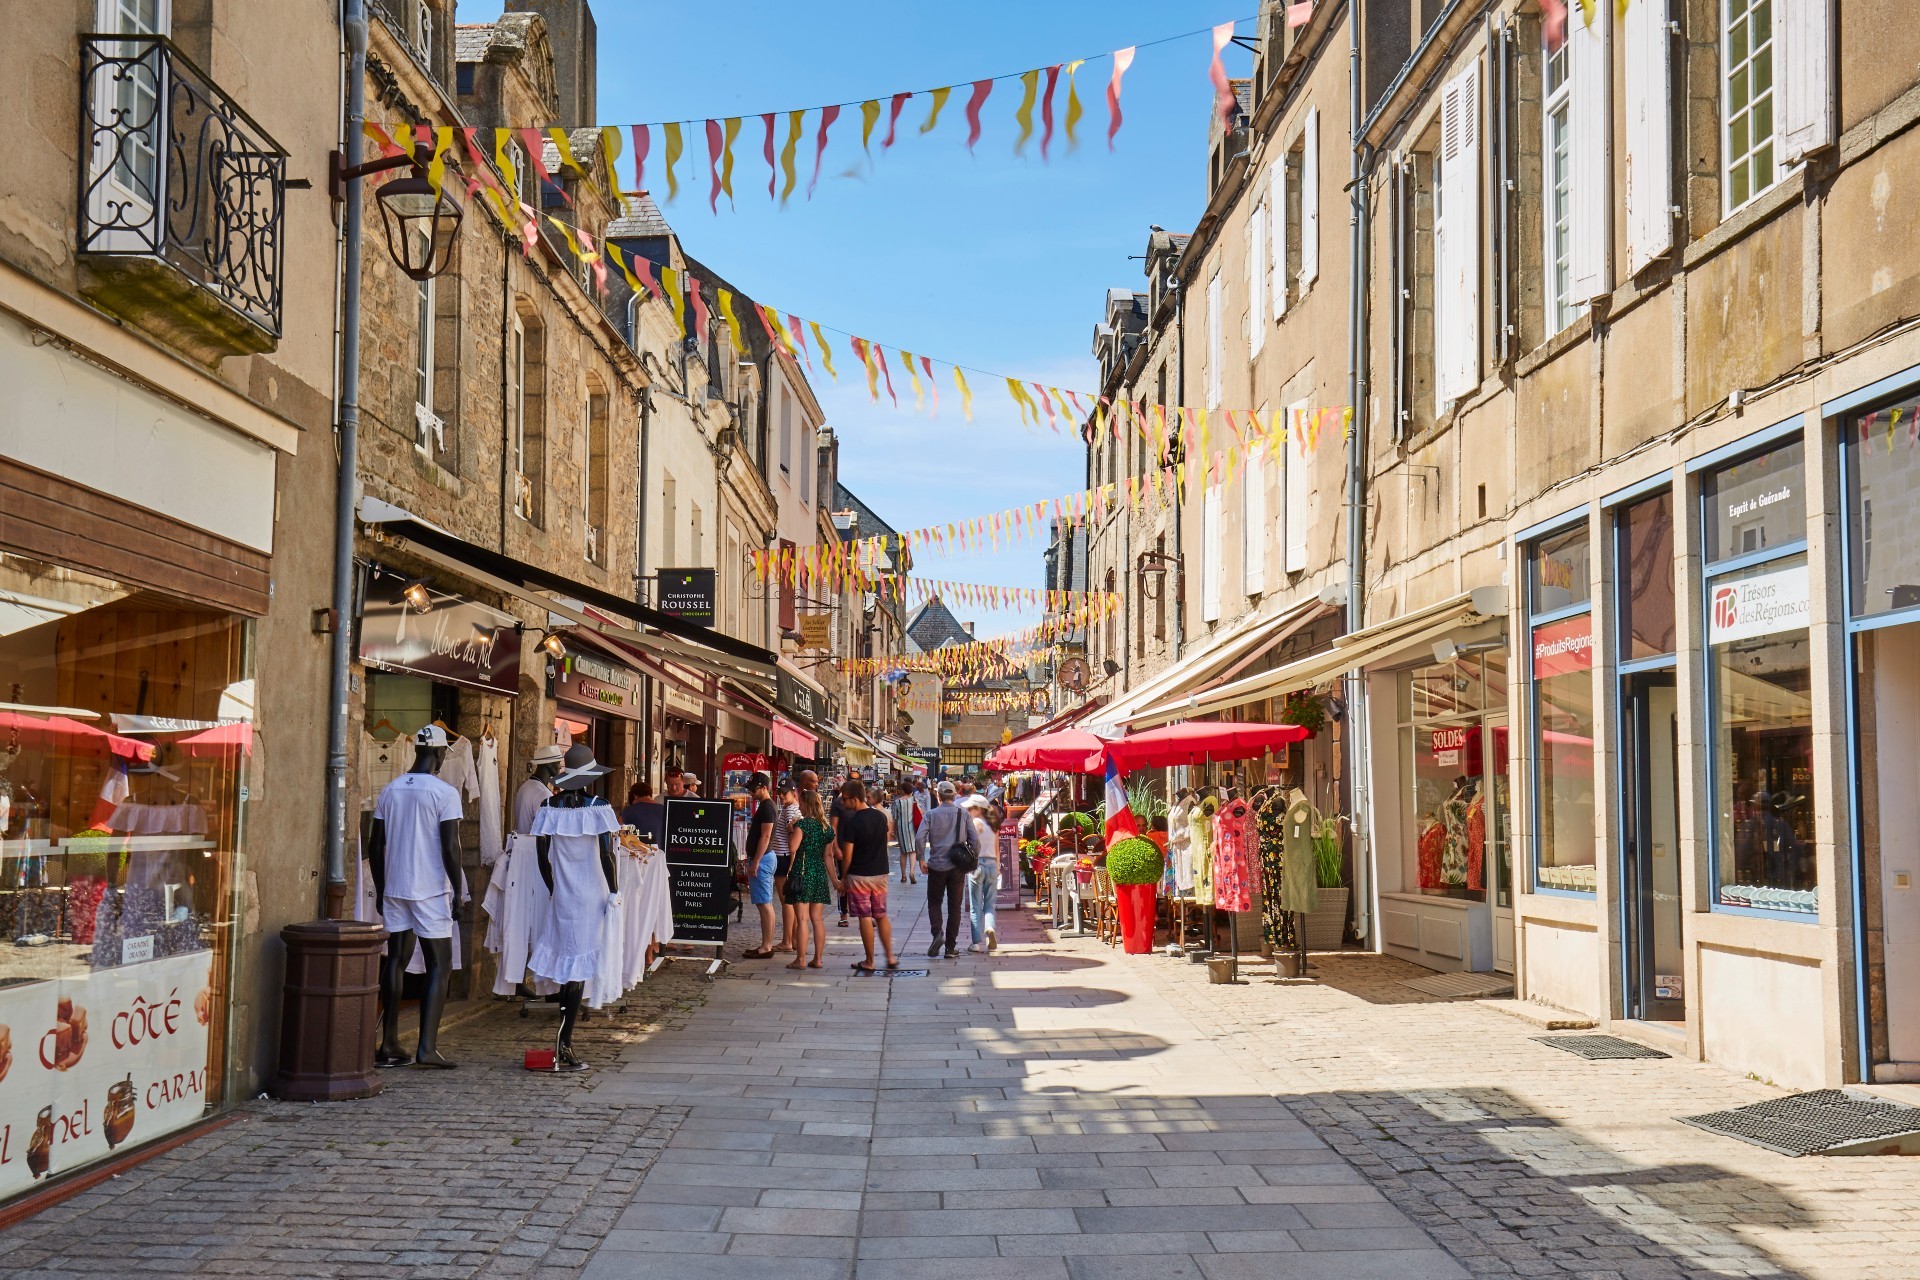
(988, 260)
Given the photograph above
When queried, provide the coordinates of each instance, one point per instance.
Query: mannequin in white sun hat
(414, 854)
(575, 830)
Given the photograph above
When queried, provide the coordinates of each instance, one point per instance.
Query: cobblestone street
(1057, 1112)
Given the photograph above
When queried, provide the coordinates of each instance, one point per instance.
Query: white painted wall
(1563, 967)
(1750, 1006)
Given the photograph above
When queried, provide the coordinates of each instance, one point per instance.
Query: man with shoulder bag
(949, 853)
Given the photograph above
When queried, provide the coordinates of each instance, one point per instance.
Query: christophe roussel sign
(687, 594)
(455, 641)
(699, 851)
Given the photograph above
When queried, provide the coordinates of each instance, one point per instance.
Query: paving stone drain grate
(1806, 1124)
(1600, 1048)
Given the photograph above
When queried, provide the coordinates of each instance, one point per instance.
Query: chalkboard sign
(699, 854)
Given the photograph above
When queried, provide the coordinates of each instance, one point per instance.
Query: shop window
(126, 743)
(1883, 508)
(527, 412)
(1645, 573)
(1759, 679)
(1559, 594)
(599, 461)
(1453, 740)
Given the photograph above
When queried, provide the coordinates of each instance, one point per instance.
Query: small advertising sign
(699, 857)
(687, 594)
(1762, 605)
(816, 631)
(1563, 648)
(455, 641)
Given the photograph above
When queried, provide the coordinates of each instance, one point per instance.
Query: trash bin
(330, 1011)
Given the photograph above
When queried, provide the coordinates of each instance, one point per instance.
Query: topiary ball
(1136, 860)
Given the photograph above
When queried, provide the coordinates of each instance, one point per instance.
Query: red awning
(70, 734)
(1199, 741)
(1068, 751)
(1060, 721)
(792, 739)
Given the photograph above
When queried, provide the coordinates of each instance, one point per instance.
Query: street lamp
(421, 225)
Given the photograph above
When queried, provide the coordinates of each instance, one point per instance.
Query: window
(599, 462)
(1750, 139)
(786, 430)
(669, 522)
(696, 536)
(527, 407)
(1645, 575)
(1557, 157)
(1883, 508)
(130, 96)
(1559, 602)
(1256, 279)
(1253, 522)
(1411, 268)
(1457, 769)
(1216, 345)
(1759, 677)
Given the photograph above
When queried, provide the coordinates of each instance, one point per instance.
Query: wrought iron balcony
(182, 201)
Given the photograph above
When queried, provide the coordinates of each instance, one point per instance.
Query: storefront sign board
(687, 594)
(600, 685)
(796, 699)
(1563, 648)
(699, 857)
(816, 631)
(1762, 605)
(456, 641)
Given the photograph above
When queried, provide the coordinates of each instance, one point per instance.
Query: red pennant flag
(1553, 22)
(773, 171)
(927, 365)
(800, 338)
(714, 147)
(1224, 101)
(697, 296)
(1122, 59)
(642, 139)
(1046, 110)
(893, 118)
(981, 88)
(827, 116)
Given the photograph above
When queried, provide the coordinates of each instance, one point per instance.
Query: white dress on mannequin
(568, 947)
(522, 906)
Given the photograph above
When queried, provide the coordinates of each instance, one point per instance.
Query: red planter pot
(1136, 904)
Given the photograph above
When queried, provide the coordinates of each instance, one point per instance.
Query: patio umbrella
(64, 732)
(1069, 751)
(221, 738)
(1198, 741)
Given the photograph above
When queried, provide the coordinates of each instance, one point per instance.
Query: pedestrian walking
(948, 854)
(786, 813)
(760, 860)
(645, 814)
(983, 886)
(906, 831)
(862, 849)
(810, 881)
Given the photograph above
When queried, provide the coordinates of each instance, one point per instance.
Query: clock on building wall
(1073, 674)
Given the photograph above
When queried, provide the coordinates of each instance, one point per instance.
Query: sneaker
(993, 941)
(973, 948)
(934, 950)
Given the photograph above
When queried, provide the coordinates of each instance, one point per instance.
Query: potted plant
(1326, 924)
(1135, 865)
(1303, 709)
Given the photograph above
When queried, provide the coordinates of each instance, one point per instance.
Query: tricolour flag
(1120, 822)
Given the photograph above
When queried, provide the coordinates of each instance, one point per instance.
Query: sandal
(862, 966)
(756, 955)
(815, 964)
(893, 964)
(796, 965)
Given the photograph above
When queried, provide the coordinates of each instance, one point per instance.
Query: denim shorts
(761, 886)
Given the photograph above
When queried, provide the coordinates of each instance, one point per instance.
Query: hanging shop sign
(698, 848)
(796, 699)
(816, 631)
(745, 762)
(687, 594)
(599, 685)
(455, 641)
(114, 1058)
(928, 757)
(1762, 605)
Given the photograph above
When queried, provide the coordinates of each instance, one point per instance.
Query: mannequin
(573, 831)
(414, 853)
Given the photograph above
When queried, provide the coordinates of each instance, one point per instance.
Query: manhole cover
(1825, 1122)
(892, 973)
(1601, 1048)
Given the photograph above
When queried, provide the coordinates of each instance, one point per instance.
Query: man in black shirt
(645, 813)
(760, 861)
(862, 850)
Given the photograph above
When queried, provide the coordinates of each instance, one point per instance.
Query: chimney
(571, 32)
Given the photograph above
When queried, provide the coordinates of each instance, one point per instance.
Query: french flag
(1120, 823)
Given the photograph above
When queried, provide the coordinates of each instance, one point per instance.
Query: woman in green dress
(810, 881)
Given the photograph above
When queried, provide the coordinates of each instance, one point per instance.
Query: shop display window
(1456, 767)
(1646, 579)
(1755, 505)
(1560, 645)
(126, 733)
(1883, 483)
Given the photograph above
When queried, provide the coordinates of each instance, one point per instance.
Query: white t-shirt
(413, 806)
(526, 802)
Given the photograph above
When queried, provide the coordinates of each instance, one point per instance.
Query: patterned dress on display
(1269, 828)
(1236, 867)
(1201, 825)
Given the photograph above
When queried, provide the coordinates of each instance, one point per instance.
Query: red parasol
(1069, 751)
(1198, 741)
(220, 738)
(61, 731)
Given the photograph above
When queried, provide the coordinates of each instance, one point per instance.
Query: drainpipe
(640, 571)
(353, 19)
(1359, 732)
(1179, 397)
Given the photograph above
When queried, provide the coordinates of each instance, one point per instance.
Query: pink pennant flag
(1299, 15)
(536, 145)
(1046, 404)
(827, 116)
(714, 147)
(773, 170)
(1046, 110)
(927, 365)
(1553, 22)
(981, 88)
(1122, 59)
(893, 118)
(1223, 98)
(800, 339)
(880, 355)
(697, 296)
(642, 139)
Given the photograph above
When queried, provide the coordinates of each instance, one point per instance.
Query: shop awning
(1066, 751)
(1221, 660)
(667, 636)
(1071, 717)
(792, 739)
(1199, 741)
(1356, 649)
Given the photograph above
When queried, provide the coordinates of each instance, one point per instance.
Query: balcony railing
(178, 184)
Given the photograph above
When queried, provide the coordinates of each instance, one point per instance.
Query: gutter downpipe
(353, 19)
(1179, 397)
(640, 562)
(1359, 720)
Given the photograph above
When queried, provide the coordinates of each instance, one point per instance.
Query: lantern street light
(421, 224)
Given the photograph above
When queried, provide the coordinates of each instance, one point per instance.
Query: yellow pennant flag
(733, 322)
(674, 145)
(1074, 109)
(913, 375)
(1586, 11)
(1029, 90)
(939, 101)
(564, 145)
(795, 120)
(1024, 401)
(826, 352)
(966, 393)
(437, 167)
(869, 117)
(670, 281)
(732, 129)
(610, 156)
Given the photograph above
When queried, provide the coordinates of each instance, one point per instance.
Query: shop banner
(928, 757)
(699, 856)
(687, 594)
(456, 641)
(796, 699)
(593, 682)
(107, 1059)
(1762, 605)
(1563, 648)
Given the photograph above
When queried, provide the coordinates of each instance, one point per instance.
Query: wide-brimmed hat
(581, 769)
(550, 753)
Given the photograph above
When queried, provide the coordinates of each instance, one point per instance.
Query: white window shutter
(1253, 555)
(1310, 199)
(1299, 488)
(1210, 555)
(1589, 70)
(1803, 58)
(1277, 199)
(1649, 121)
(1457, 242)
(1216, 346)
(1257, 279)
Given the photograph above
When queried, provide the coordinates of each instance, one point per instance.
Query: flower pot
(1326, 926)
(1136, 904)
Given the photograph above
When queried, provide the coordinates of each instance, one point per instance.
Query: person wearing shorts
(862, 849)
(760, 864)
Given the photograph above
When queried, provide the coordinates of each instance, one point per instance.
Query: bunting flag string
(1039, 90)
(852, 567)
